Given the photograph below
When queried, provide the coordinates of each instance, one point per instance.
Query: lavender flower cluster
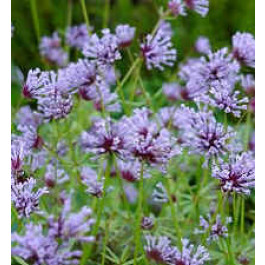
(107, 139)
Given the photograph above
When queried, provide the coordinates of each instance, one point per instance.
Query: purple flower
(25, 116)
(244, 48)
(167, 117)
(147, 223)
(147, 142)
(177, 8)
(202, 134)
(160, 194)
(219, 67)
(17, 157)
(131, 170)
(221, 96)
(69, 225)
(24, 198)
(30, 137)
(37, 248)
(51, 50)
(248, 83)
(158, 249)
(105, 136)
(216, 230)
(157, 50)
(199, 6)
(77, 36)
(189, 255)
(54, 175)
(125, 35)
(36, 80)
(56, 103)
(203, 45)
(104, 50)
(237, 175)
(173, 91)
(90, 179)
(38, 159)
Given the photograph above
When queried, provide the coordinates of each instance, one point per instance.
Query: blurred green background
(224, 19)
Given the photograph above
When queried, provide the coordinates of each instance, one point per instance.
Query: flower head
(157, 50)
(54, 175)
(125, 35)
(248, 83)
(189, 255)
(177, 8)
(51, 50)
(37, 248)
(90, 179)
(24, 198)
(147, 142)
(244, 48)
(204, 135)
(104, 50)
(216, 230)
(203, 45)
(71, 225)
(158, 249)
(77, 36)
(237, 175)
(199, 6)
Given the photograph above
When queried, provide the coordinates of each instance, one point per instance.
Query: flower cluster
(178, 7)
(160, 250)
(51, 50)
(215, 230)
(237, 175)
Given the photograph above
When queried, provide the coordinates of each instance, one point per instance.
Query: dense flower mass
(162, 252)
(238, 175)
(202, 134)
(244, 48)
(215, 230)
(120, 154)
(24, 198)
(157, 50)
(38, 248)
(51, 50)
(77, 36)
(104, 50)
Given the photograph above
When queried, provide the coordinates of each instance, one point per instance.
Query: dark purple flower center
(155, 255)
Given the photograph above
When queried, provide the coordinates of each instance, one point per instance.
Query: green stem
(174, 214)
(106, 14)
(84, 10)
(242, 223)
(105, 242)
(139, 214)
(35, 18)
(248, 130)
(125, 78)
(87, 250)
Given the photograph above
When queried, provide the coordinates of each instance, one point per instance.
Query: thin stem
(242, 221)
(247, 130)
(87, 251)
(35, 18)
(125, 78)
(69, 13)
(106, 14)
(139, 214)
(173, 213)
(105, 242)
(84, 10)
